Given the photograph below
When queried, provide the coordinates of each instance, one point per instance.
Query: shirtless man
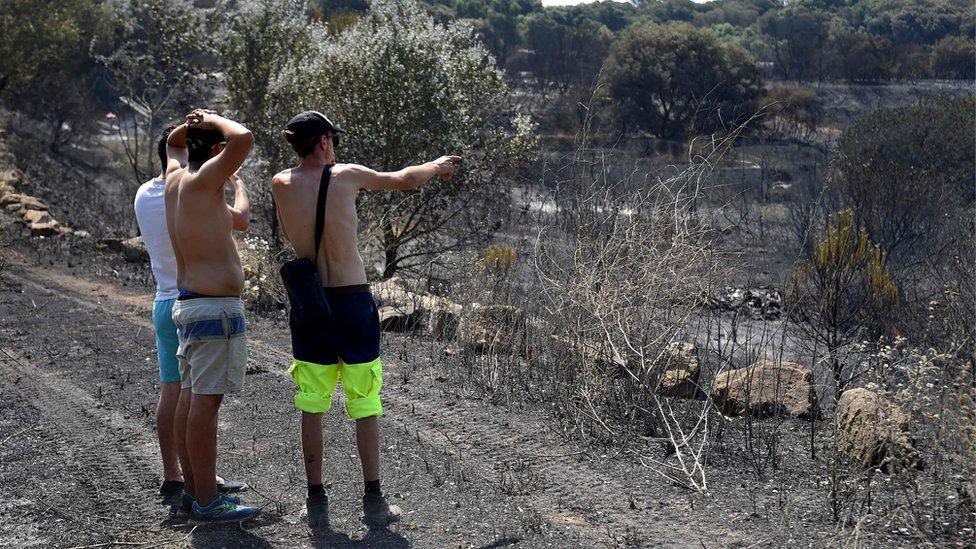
(209, 313)
(354, 325)
(150, 212)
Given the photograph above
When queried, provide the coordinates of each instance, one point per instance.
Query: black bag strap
(320, 209)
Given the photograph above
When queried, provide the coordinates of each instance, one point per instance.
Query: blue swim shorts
(166, 341)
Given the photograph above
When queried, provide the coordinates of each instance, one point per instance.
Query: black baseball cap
(309, 124)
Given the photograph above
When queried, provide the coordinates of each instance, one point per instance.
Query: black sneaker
(377, 513)
(316, 511)
(170, 491)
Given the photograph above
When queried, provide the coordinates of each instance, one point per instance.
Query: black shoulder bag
(301, 276)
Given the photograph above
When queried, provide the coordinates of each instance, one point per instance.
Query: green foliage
(792, 112)
(154, 69)
(914, 21)
(409, 90)
(844, 292)
(675, 79)
(563, 52)
(45, 68)
(902, 171)
(798, 37)
(953, 57)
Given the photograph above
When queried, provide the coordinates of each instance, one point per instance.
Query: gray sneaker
(377, 513)
(316, 511)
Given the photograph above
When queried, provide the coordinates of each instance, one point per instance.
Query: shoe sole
(198, 522)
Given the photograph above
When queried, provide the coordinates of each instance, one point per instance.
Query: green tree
(842, 292)
(954, 57)
(902, 172)
(261, 37)
(407, 90)
(675, 79)
(798, 37)
(156, 71)
(46, 70)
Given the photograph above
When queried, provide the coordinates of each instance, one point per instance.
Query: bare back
(201, 228)
(295, 192)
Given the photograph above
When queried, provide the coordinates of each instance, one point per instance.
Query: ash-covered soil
(79, 465)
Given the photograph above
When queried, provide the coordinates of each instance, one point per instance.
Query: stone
(492, 328)
(134, 250)
(26, 202)
(48, 228)
(445, 321)
(82, 234)
(36, 216)
(681, 370)
(874, 431)
(767, 388)
(406, 318)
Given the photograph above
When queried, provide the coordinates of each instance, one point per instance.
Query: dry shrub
(263, 291)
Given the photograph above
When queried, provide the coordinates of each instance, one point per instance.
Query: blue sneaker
(184, 509)
(221, 509)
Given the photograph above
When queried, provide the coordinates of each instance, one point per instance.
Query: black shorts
(351, 335)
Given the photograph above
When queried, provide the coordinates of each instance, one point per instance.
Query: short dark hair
(306, 146)
(200, 143)
(161, 146)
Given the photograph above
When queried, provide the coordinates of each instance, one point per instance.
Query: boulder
(873, 431)
(36, 216)
(134, 250)
(681, 370)
(406, 318)
(767, 388)
(445, 321)
(47, 228)
(492, 328)
(26, 202)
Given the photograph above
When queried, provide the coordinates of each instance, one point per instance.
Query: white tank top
(150, 206)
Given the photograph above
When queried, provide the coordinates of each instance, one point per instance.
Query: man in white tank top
(150, 209)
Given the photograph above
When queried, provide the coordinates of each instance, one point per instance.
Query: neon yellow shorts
(360, 382)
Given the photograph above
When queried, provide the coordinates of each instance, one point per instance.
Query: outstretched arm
(176, 154)
(410, 177)
(241, 210)
(216, 171)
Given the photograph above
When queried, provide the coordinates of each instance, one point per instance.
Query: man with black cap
(346, 345)
(208, 313)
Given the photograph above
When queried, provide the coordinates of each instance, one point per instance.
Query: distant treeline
(804, 40)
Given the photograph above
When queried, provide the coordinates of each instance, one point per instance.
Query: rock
(406, 318)
(26, 202)
(681, 371)
(767, 388)
(36, 216)
(873, 431)
(48, 228)
(445, 321)
(492, 328)
(82, 234)
(134, 250)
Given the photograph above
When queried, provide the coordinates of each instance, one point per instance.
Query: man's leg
(312, 447)
(180, 429)
(201, 445)
(169, 397)
(368, 444)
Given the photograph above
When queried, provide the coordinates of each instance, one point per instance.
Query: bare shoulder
(281, 178)
(353, 175)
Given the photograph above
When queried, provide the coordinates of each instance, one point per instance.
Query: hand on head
(446, 166)
(201, 118)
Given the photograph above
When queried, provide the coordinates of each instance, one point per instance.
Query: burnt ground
(79, 465)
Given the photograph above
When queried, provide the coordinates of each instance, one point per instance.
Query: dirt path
(78, 461)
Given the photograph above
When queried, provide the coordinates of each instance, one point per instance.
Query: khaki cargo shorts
(213, 347)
